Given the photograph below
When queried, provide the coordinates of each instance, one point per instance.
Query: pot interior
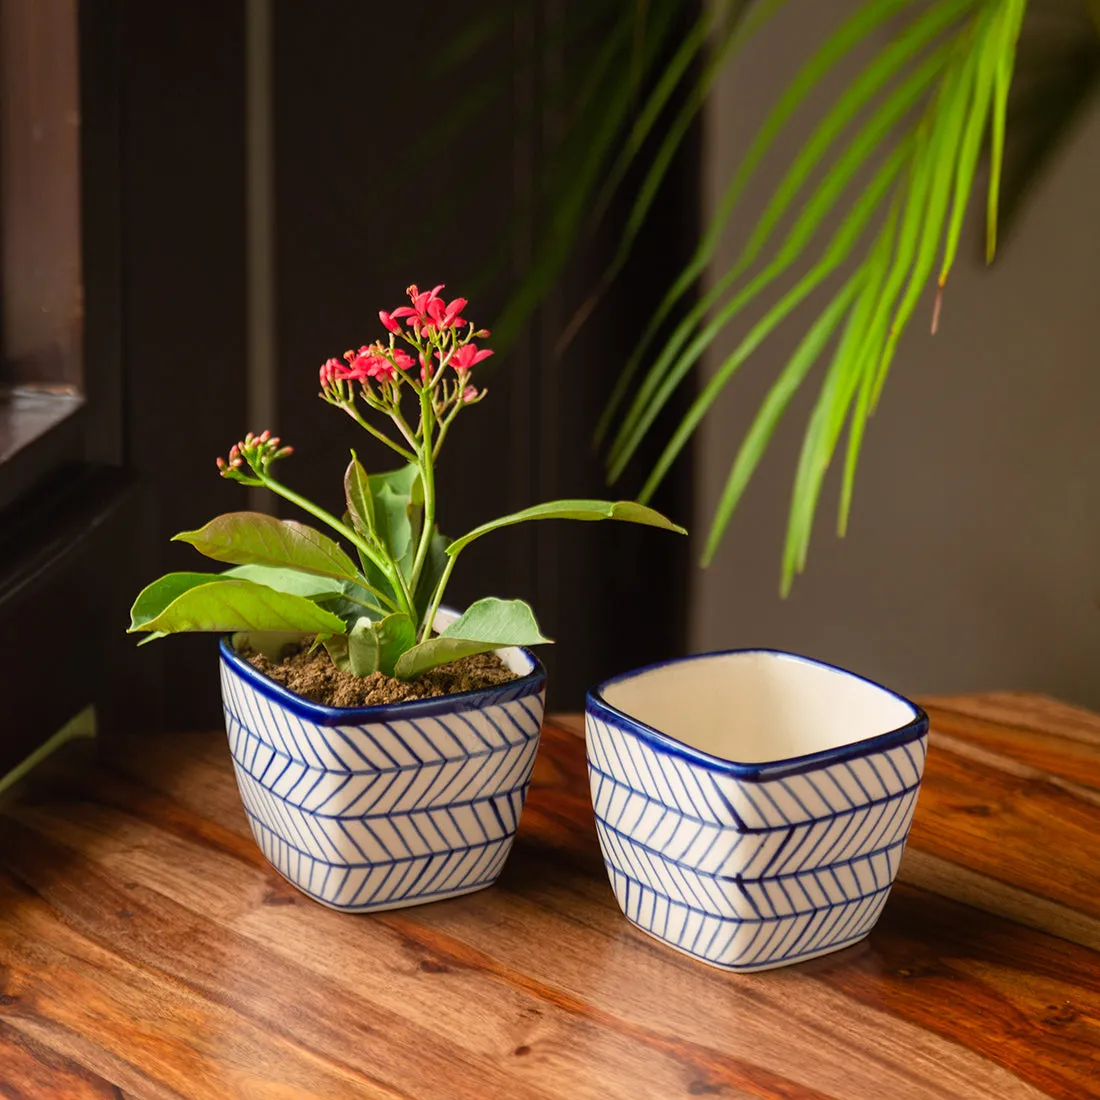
(755, 707)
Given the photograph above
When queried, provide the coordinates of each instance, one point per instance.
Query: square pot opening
(758, 706)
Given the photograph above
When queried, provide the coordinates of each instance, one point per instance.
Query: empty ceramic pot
(752, 806)
(367, 808)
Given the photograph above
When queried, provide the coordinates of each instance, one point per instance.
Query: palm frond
(933, 92)
(846, 38)
(673, 364)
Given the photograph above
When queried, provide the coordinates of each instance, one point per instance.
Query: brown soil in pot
(315, 677)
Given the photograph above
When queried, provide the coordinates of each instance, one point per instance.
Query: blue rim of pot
(913, 730)
(530, 683)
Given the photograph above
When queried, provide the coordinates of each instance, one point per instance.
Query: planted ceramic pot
(370, 808)
(382, 804)
(752, 806)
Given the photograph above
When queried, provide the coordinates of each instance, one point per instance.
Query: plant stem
(427, 478)
(382, 597)
(389, 568)
(357, 416)
(444, 424)
(437, 598)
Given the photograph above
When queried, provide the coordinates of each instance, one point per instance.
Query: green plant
(892, 163)
(376, 614)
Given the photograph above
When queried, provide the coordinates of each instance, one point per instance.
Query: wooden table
(148, 951)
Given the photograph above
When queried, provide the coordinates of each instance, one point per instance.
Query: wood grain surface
(148, 951)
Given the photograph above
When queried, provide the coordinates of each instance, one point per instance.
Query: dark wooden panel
(147, 945)
(184, 289)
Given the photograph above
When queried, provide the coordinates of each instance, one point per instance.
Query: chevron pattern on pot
(418, 804)
(748, 872)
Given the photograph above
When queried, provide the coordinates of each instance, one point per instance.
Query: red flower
(468, 356)
(402, 358)
(419, 313)
(446, 315)
(367, 362)
(388, 321)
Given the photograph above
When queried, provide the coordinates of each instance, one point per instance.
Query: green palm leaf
(957, 57)
(669, 370)
(862, 23)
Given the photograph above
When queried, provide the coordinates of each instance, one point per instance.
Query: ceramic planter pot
(369, 808)
(752, 806)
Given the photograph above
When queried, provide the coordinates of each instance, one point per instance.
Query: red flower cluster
(428, 320)
(427, 311)
(370, 361)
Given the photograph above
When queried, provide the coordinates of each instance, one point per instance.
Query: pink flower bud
(483, 334)
(388, 321)
(221, 463)
(469, 394)
(330, 372)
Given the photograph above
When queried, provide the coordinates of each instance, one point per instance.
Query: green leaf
(395, 527)
(866, 19)
(835, 254)
(817, 446)
(628, 510)
(778, 397)
(669, 370)
(336, 646)
(487, 625)
(359, 497)
(353, 601)
(155, 597)
(376, 646)
(977, 120)
(231, 604)
(253, 538)
(296, 583)
(1002, 81)
(402, 481)
(399, 500)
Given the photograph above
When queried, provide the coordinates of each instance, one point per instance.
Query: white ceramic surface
(753, 806)
(369, 808)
